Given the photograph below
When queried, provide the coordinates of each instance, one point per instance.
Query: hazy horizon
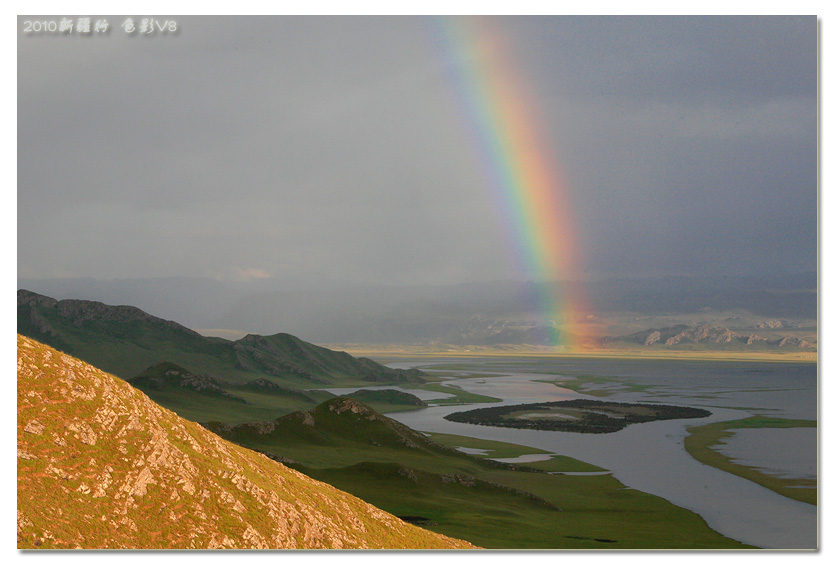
(427, 313)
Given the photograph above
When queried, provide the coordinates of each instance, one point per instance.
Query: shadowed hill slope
(125, 341)
(166, 375)
(102, 466)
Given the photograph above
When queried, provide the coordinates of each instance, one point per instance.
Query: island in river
(578, 416)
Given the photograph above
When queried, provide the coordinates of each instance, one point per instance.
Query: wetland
(652, 456)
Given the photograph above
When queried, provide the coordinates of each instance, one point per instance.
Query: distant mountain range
(100, 466)
(705, 334)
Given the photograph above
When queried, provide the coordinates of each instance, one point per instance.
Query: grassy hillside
(270, 373)
(493, 505)
(101, 466)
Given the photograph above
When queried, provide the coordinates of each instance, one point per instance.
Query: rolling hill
(270, 373)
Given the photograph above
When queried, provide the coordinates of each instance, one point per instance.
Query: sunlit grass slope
(102, 466)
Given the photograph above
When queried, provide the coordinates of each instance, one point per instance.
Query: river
(650, 457)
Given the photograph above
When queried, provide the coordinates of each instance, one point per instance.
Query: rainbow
(508, 132)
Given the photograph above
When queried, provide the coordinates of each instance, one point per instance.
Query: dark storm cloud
(330, 147)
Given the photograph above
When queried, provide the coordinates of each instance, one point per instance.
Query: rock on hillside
(101, 466)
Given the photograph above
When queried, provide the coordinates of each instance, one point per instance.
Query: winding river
(650, 457)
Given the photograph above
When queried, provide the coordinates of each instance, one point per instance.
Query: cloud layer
(332, 148)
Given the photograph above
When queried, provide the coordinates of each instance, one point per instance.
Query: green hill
(270, 373)
(290, 357)
(121, 340)
(388, 400)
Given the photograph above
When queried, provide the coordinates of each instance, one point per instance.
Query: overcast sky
(311, 148)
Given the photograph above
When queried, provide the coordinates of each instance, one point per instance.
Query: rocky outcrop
(101, 466)
(792, 342)
(752, 338)
(653, 337)
(702, 334)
